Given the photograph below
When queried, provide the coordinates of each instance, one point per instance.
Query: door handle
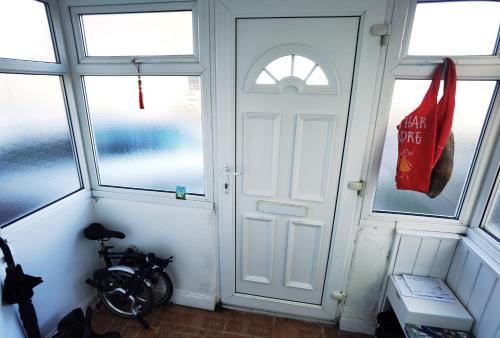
(227, 173)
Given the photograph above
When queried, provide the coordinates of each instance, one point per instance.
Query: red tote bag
(422, 135)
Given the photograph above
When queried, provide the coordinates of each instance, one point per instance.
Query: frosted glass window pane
(37, 163)
(25, 32)
(302, 67)
(472, 103)
(156, 148)
(317, 77)
(281, 67)
(455, 28)
(492, 224)
(125, 34)
(264, 78)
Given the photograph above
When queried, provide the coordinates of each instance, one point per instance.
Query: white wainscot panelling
(475, 279)
(302, 257)
(423, 253)
(472, 275)
(426, 255)
(260, 153)
(314, 140)
(257, 248)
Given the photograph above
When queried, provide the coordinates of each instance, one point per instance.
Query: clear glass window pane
(37, 162)
(455, 28)
(265, 78)
(25, 31)
(281, 67)
(317, 78)
(472, 103)
(127, 34)
(302, 67)
(492, 224)
(157, 148)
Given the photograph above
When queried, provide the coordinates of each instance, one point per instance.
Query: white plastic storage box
(434, 313)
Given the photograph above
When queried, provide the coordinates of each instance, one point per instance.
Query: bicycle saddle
(97, 231)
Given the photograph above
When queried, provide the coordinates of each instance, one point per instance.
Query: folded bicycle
(139, 281)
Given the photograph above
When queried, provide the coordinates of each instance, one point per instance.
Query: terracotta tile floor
(177, 321)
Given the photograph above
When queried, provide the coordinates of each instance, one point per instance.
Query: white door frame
(362, 108)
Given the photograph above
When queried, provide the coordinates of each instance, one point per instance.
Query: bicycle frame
(109, 256)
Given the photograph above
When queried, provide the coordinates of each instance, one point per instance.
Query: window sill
(191, 201)
(421, 223)
(20, 226)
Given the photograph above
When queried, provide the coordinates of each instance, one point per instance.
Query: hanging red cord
(139, 82)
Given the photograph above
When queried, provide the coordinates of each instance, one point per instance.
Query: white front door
(293, 88)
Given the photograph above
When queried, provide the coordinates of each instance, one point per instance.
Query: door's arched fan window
(292, 66)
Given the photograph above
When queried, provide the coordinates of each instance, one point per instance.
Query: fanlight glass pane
(37, 162)
(455, 28)
(302, 66)
(25, 31)
(264, 78)
(156, 148)
(126, 34)
(317, 78)
(472, 103)
(281, 67)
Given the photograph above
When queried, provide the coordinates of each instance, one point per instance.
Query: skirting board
(87, 301)
(193, 299)
(358, 325)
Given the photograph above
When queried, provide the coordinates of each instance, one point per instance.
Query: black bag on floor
(76, 325)
(388, 326)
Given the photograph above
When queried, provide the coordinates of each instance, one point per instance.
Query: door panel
(314, 140)
(258, 248)
(289, 144)
(261, 134)
(302, 261)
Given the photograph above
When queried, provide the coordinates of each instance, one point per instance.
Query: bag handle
(445, 109)
(433, 90)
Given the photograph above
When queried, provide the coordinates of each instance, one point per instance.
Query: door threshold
(278, 314)
(278, 307)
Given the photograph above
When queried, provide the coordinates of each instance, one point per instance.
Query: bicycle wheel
(161, 287)
(113, 296)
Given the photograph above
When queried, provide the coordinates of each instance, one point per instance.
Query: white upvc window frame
(61, 69)
(490, 183)
(76, 11)
(185, 65)
(400, 65)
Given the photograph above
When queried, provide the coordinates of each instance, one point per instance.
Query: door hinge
(359, 186)
(339, 296)
(383, 30)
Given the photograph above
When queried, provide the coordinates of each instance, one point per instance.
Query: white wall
(187, 233)
(50, 244)
(366, 276)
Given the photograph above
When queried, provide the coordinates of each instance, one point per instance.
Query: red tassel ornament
(141, 100)
(139, 82)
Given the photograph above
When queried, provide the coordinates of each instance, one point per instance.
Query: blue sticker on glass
(180, 192)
